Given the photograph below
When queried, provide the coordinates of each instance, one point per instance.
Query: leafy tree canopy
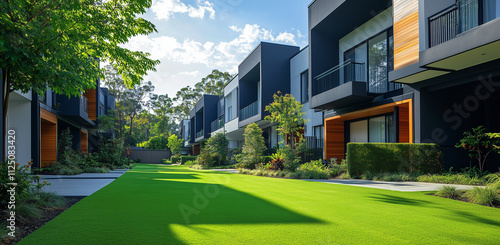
(59, 43)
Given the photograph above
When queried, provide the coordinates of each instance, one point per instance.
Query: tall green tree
(253, 148)
(287, 112)
(174, 144)
(133, 101)
(187, 97)
(59, 43)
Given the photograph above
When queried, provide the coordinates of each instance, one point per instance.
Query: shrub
(392, 157)
(253, 148)
(338, 169)
(277, 163)
(185, 159)
(112, 152)
(190, 163)
(479, 144)
(217, 148)
(487, 196)
(166, 161)
(449, 192)
(174, 144)
(175, 159)
(312, 170)
(458, 179)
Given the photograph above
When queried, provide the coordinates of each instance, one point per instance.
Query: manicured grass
(144, 207)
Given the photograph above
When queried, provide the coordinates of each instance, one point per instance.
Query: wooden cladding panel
(334, 127)
(404, 124)
(334, 139)
(406, 33)
(84, 141)
(196, 150)
(92, 103)
(48, 135)
(48, 116)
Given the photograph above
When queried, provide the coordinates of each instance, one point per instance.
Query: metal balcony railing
(459, 17)
(217, 124)
(200, 133)
(249, 111)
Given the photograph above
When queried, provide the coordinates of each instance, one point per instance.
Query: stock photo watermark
(11, 190)
(463, 110)
(202, 197)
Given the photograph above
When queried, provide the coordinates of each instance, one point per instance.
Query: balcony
(75, 108)
(346, 84)
(347, 71)
(453, 36)
(217, 124)
(250, 111)
(200, 133)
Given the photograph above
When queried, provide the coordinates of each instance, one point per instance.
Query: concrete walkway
(392, 185)
(386, 185)
(79, 185)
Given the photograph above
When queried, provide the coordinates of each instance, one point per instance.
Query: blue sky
(196, 36)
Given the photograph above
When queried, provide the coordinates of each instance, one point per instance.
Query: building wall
(19, 119)
(299, 64)
(369, 29)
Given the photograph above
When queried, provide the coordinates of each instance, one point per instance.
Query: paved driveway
(81, 184)
(392, 185)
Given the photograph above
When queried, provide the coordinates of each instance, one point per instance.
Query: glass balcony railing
(345, 72)
(249, 111)
(84, 104)
(217, 124)
(200, 133)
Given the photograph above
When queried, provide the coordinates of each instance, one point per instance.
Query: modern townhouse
(264, 72)
(39, 120)
(404, 71)
(351, 56)
(202, 116)
(453, 65)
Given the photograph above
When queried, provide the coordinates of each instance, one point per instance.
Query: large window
(380, 129)
(304, 89)
(371, 61)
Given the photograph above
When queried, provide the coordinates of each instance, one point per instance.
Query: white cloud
(286, 38)
(299, 34)
(165, 9)
(189, 73)
(222, 55)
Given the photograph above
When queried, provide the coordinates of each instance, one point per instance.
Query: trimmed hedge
(392, 158)
(175, 159)
(185, 159)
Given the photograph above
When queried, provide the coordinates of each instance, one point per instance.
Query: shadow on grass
(163, 210)
(399, 200)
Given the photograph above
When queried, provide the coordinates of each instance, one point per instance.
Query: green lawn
(153, 204)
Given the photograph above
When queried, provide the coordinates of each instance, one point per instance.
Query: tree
(59, 43)
(287, 112)
(479, 144)
(187, 97)
(174, 144)
(133, 101)
(253, 148)
(217, 147)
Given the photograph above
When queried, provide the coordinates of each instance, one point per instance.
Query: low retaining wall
(150, 156)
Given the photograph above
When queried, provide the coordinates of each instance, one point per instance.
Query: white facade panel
(298, 65)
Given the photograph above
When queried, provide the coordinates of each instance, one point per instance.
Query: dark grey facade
(202, 115)
(261, 75)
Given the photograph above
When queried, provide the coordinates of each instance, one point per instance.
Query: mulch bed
(24, 229)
